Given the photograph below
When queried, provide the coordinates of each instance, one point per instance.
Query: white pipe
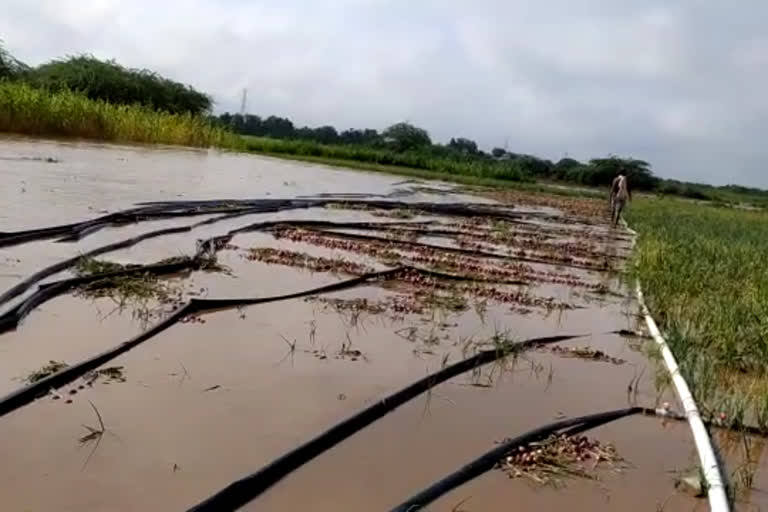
(718, 501)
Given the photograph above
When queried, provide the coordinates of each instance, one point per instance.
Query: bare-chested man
(620, 194)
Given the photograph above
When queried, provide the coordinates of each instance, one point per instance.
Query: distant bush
(10, 68)
(417, 159)
(111, 82)
(86, 97)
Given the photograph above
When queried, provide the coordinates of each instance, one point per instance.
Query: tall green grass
(379, 158)
(704, 270)
(33, 111)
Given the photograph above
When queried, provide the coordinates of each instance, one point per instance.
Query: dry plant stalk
(552, 461)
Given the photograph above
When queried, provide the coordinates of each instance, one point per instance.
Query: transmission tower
(242, 103)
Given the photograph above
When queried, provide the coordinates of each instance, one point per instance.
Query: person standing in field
(619, 196)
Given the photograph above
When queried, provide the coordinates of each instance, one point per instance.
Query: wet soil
(209, 401)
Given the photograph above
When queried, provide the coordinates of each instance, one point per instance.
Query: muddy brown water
(206, 403)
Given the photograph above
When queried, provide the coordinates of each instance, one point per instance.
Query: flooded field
(227, 389)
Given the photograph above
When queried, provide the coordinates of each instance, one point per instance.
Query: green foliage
(704, 271)
(10, 67)
(406, 137)
(464, 146)
(601, 171)
(141, 92)
(403, 138)
(564, 167)
(435, 158)
(34, 111)
(111, 82)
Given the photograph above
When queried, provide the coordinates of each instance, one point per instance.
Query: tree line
(399, 144)
(108, 81)
(407, 138)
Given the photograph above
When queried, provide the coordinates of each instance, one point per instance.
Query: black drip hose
(29, 393)
(168, 209)
(48, 291)
(489, 459)
(458, 250)
(249, 487)
(38, 276)
(30, 281)
(11, 318)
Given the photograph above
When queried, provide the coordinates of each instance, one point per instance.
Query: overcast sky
(681, 84)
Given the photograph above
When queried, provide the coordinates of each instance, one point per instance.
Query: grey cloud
(679, 84)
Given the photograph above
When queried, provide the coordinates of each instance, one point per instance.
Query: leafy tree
(279, 127)
(498, 152)
(534, 166)
(406, 137)
(252, 124)
(355, 136)
(638, 172)
(564, 167)
(237, 122)
(464, 146)
(109, 81)
(10, 67)
(567, 164)
(325, 135)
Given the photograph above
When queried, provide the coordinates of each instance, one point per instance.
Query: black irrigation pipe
(489, 459)
(455, 209)
(449, 233)
(38, 276)
(168, 209)
(27, 283)
(456, 250)
(74, 231)
(20, 237)
(46, 292)
(29, 393)
(11, 318)
(309, 224)
(242, 491)
(80, 232)
(131, 215)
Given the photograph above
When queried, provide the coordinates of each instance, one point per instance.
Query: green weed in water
(46, 371)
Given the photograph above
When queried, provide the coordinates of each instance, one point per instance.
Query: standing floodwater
(218, 395)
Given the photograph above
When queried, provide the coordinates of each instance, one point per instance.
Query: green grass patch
(410, 163)
(440, 169)
(127, 289)
(704, 271)
(34, 111)
(45, 371)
